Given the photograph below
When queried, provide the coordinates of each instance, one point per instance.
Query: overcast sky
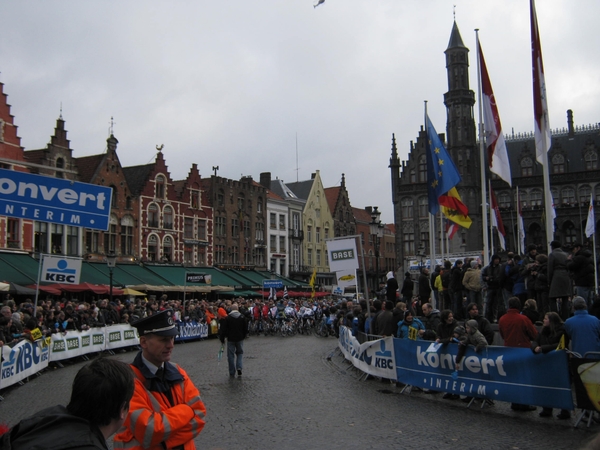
(231, 83)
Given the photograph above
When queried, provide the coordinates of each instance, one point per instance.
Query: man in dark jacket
(234, 329)
(431, 320)
(385, 321)
(424, 286)
(99, 404)
(492, 276)
(581, 265)
(391, 287)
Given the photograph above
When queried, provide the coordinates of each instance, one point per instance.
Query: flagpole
(595, 265)
(491, 222)
(432, 258)
(540, 113)
(441, 234)
(484, 219)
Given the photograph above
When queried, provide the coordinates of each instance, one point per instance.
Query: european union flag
(442, 174)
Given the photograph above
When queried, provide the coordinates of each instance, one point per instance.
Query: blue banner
(507, 374)
(54, 200)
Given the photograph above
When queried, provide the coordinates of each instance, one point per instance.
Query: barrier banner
(23, 360)
(119, 336)
(507, 374)
(374, 357)
(76, 343)
(192, 330)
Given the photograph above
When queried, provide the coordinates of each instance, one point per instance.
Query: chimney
(570, 123)
(265, 179)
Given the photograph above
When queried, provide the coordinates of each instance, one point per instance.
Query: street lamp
(111, 262)
(376, 229)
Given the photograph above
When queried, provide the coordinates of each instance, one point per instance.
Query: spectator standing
(581, 265)
(104, 383)
(234, 328)
(517, 331)
(407, 289)
(583, 329)
(377, 306)
(472, 283)
(424, 286)
(432, 282)
(546, 342)
(385, 321)
(559, 281)
(391, 287)
(541, 284)
(527, 266)
(492, 277)
(166, 410)
(456, 289)
(445, 278)
(483, 325)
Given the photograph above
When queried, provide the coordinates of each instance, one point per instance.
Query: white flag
(590, 226)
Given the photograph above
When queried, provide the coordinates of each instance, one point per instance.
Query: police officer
(166, 410)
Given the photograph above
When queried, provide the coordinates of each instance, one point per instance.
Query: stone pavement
(299, 393)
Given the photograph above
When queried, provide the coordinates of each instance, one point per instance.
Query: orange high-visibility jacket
(152, 420)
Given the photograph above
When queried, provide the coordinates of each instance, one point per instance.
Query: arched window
(536, 198)
(558, 164)
(584, 195)
(570, 232)
(526, 167)
(153, 216)
(422, 169)
(567, 196)
(167, 249)
(195, 196)
(423, 207)
(152, 247)
(407, 208)
(159, 187)
(591, 160)
(168, 218)
(504, 200)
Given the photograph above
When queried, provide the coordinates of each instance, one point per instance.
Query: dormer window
(558, 164)
(159, 187)
(591, 160)
(526, 167)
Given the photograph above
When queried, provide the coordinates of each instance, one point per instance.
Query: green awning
(19, 268)
(244, 293)
(176, 275)
(134, 274)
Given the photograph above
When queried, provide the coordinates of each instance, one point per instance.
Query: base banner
(507, 374)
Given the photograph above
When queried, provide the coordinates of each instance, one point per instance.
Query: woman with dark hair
(530, 310)
(547, 341)
(446, 327)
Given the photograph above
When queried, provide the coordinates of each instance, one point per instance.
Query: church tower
(462, 139)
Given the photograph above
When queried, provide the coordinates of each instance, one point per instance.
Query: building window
(167, 249)
(567, 196)
(195, 196)
(13, 237)
(72, 241)
(318, 258)
(159, 187)
(92, 241)
(188, 256)
(423, 207)
(127, 236)
(309, 233)
(570, 232)
(585, 193)
(407, 208)
(526, 167)
(235, 227)
(273, 243)
(110, 239)
(219, 254)
(260, 233)
(220, 226)
(246, 231)
(240, 202)
(152, 247)
(128, 202)
(259, 205)
(504, 200)
(202, 229)
(536, 198)
(409, 243)
(558, 164)
(281, 221)
(309, 257)
(60, 164)
(114, 198)
(422, 169)
(591, 160)
(188, 228)
(41, 237)
(273, 221)
(153, 216)
(168, 218)
(413, 177)
(318, 235)
(326, 233)
(282, 244)
(220, 198)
